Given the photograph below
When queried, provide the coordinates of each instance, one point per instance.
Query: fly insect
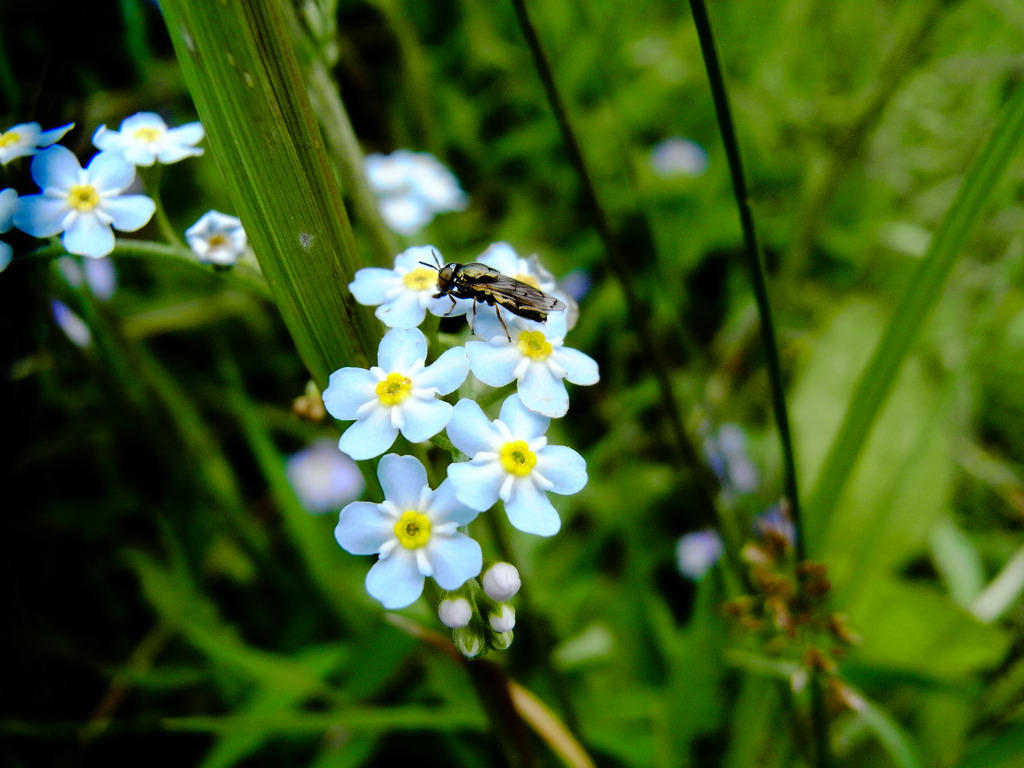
(483, 284)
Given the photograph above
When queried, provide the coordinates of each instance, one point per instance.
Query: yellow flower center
(216, 241)
(83, 197)
(529, 280)
(394, 389)
(413, 529)
(534, 345)
(420, 279)
(147, 135)
(9, 138)
(517, 458)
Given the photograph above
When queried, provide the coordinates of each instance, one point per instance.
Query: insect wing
(514, 295)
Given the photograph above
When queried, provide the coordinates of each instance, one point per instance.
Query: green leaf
(242, 72)
(919, 298)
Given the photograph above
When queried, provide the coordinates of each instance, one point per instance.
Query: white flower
(8, 202)
(411, 188)
(217, 238)
(510, 459)
(397, 395)
(404, 294)
(323, 478)
(504, 620)
(502, 582)
(414, 531)
(726, 451)
(144, 139)
(697, 552)
(536, 360)
(27, 139)
(678, 157)
(455, 612)
(82, 203)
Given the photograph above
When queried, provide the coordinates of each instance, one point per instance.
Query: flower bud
(455, 612)
(469, 643)
(502, 641)
(501, 582)
(504, 620)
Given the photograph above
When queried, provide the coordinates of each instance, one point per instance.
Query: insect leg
(453, 305)
(500, 320)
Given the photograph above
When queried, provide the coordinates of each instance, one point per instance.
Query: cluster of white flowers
(411, 188)
(414, 531)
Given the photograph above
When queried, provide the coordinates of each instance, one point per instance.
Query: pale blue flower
(73, 326)
(411, 188)
(696, 552)
(404, 294)
(217, 238)
(144, 139)
(27, 139)
(536, 359)
(726, 451)
(510, 459)
(99, 274)
(83, 204)
(397, 395)
(414, 532)
(324, 479)
(8, 202)
(677, 157)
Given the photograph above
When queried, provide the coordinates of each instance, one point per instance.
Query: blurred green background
(167, 601)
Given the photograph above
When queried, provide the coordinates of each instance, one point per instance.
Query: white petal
(347, 390)
(55, 168)
(396, 582)
(565, 469)
(370, 436)
(469, 429)
(477, 485)
(110, 172)
(404, 310)
(40, 216)
(402, 478)
(447, 373)
(493, 364)
(363, 529)
(456, 559)
(129, 212)
(445, 506)
(543, 392)
(373, 284)
(88, 236)
(522, 422)
(579, 368)
(424, 418)
(530, 511)
(400, 349)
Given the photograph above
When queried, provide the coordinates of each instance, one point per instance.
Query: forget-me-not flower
(726, 451)
(404, 294)
(411, 187)
(677, 157)
(537, 360)
(510, 459)
(82, 203)
(414, 532)
(503, 257)
(399, 394)
(696, 552)
(323, 478)
(144, 139)
(73, 326)
(8, 202)
(99, 274)
(27, 139)
(217, 238)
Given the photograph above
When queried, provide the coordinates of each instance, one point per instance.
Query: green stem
(705, 33)
(623, 269)
(151, 180)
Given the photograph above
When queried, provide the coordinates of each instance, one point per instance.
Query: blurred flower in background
(696, 552)
(411, 188)
(73, 326)
(217, 238)
(726, 452)
(676, 157)
(99, 274)
(324, 478)
(26, 139)
(144, 139)
(8, 202)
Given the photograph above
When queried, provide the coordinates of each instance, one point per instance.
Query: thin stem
(151, 180)
(754, 258)
(621, 266)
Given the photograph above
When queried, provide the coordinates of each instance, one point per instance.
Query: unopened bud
(502, 582)
(504, 619)
(455, 612)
